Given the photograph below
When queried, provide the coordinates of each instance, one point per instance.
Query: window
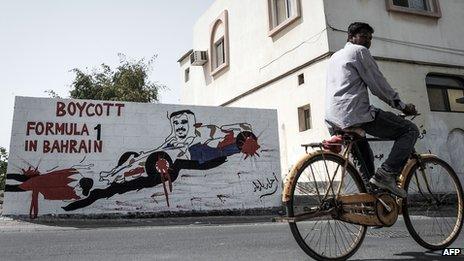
(300, 79)
(219, 44)
(187, 75)
(219, 50)
(413, 4)
(445, 92)
(304, 117)
(419, 7)
(281, 14)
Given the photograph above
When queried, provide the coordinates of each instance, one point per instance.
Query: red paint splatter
(30, 172)
(132, 172)
(250, 147)
(162, 166)
(52, 185)
(228, 140)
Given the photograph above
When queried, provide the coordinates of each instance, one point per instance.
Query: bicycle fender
(290, 179)
(410, 164)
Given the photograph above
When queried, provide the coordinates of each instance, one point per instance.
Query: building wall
(276, 96)
(440, 127)
(441, 133)
(428, 35)
(254, 56)
(424, 44)
(215, 165)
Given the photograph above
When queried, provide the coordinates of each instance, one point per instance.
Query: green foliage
(3, 166)
(52, 94)
(128, 82)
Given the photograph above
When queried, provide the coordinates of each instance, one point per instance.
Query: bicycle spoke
(343, 236)
(315, 188)
(433, 194)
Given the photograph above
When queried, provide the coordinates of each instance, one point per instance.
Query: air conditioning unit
(198, 58)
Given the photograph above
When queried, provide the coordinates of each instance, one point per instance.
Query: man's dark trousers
(387, 125)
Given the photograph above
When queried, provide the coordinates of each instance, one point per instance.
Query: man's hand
(410, 109)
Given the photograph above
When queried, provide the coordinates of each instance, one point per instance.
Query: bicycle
(329, 209)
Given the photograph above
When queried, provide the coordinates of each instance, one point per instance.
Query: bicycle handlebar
(402, 115)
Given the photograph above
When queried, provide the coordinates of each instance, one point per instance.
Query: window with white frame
(304, 117)
(445, 92)
(219, 44)
(282, 13)
(420, 7)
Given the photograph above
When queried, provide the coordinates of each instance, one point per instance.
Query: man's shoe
(387, 180)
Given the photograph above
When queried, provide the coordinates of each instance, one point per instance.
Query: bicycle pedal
(373, 189)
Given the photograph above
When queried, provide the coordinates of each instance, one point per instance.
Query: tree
(128, 82)
(3, 167)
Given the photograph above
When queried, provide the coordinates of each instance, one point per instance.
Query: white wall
(409, 81)
(242, 182)
(254, 56)
(286, 96)
(443, 136)
(445, 32)
(252, 49)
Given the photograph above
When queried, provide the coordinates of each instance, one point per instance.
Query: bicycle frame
(291, 177)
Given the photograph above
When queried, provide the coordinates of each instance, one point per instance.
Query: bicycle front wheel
(320, 235)
(433, 209)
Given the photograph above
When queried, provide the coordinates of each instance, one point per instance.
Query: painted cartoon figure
(190, 145)
(188, 140)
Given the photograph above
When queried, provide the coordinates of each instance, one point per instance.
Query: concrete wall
(276, 96)
(442, 133)
(425, 36)
(129, 153)
(415, 38)
(438, 128)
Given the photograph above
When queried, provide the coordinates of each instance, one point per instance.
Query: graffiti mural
(190, 150)
(266, 187)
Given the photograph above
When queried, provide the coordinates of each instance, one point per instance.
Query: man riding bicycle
(351, 71)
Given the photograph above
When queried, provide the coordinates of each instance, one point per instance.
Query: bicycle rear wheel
(433, 210)
(323, 237)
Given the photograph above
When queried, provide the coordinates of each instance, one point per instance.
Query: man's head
(181, 123)
(360, 34)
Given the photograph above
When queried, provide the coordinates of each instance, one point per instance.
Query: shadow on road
(136, 222)
(426, 255)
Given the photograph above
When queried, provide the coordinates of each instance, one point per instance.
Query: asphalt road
(186, 240)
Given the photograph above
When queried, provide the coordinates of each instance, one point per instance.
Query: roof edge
(185, 55)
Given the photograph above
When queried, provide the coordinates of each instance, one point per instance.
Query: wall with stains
(442, 133)
(94, 157)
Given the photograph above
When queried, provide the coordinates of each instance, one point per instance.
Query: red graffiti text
(88, 109)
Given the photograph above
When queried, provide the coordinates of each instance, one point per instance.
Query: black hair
(180, 112)
(357, 27)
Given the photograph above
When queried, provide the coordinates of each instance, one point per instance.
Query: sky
(42, 41)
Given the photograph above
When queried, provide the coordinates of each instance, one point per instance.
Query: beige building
(274, 54)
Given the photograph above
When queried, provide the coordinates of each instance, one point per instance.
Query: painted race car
(190, 145)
